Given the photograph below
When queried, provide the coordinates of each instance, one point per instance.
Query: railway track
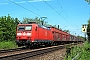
(12, 50)
(22, 53)
(17, 49)
(30, 53)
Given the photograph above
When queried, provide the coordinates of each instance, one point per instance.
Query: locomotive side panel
(44, 35)
(40, 34)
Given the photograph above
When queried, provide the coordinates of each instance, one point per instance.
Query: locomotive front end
(23, 34)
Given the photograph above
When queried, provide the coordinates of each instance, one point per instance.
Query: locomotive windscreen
(24, 27)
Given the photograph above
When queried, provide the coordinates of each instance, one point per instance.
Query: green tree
(36, 19)
(88, 1)
(7, 28)
(88, 30)
(39, 21)
(26, 20)
(16, 21)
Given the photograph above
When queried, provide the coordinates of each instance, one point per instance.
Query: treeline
(8, 28)
(88, 30)
(88, 1)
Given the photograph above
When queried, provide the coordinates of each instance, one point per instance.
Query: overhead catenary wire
(53, 9)
(24, 8)
(67, 14)
(34, 7)
(58, 13)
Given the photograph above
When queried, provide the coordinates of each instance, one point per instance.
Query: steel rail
(36, 52)
(12, 50)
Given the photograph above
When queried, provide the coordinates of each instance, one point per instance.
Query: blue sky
(69, 14)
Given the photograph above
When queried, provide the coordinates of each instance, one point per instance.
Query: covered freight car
(60, 36)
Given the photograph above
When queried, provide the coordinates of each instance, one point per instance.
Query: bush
(8, 45)
(84, 55)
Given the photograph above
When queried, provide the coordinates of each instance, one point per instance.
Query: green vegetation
(8, 45)
(88, 30)
(82, 53)
(85, 55)
(7, 32)
(88, 1)
(8, 28)
(74, 50)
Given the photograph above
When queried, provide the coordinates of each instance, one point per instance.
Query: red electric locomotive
(34, 34)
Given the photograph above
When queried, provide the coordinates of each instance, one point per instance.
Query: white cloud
(21, 2)
(46, 0)
(4, 3)
(38, 0)
(24, 1)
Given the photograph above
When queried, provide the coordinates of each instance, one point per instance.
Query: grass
(8, 45)
(72, 53)
(84, 55)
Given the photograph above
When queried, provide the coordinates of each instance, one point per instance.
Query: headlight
(28, 34)
(19, 34)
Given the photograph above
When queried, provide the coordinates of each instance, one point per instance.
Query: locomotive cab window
(28, 27)
(48, 28)
(21, 27)
(24, 27)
